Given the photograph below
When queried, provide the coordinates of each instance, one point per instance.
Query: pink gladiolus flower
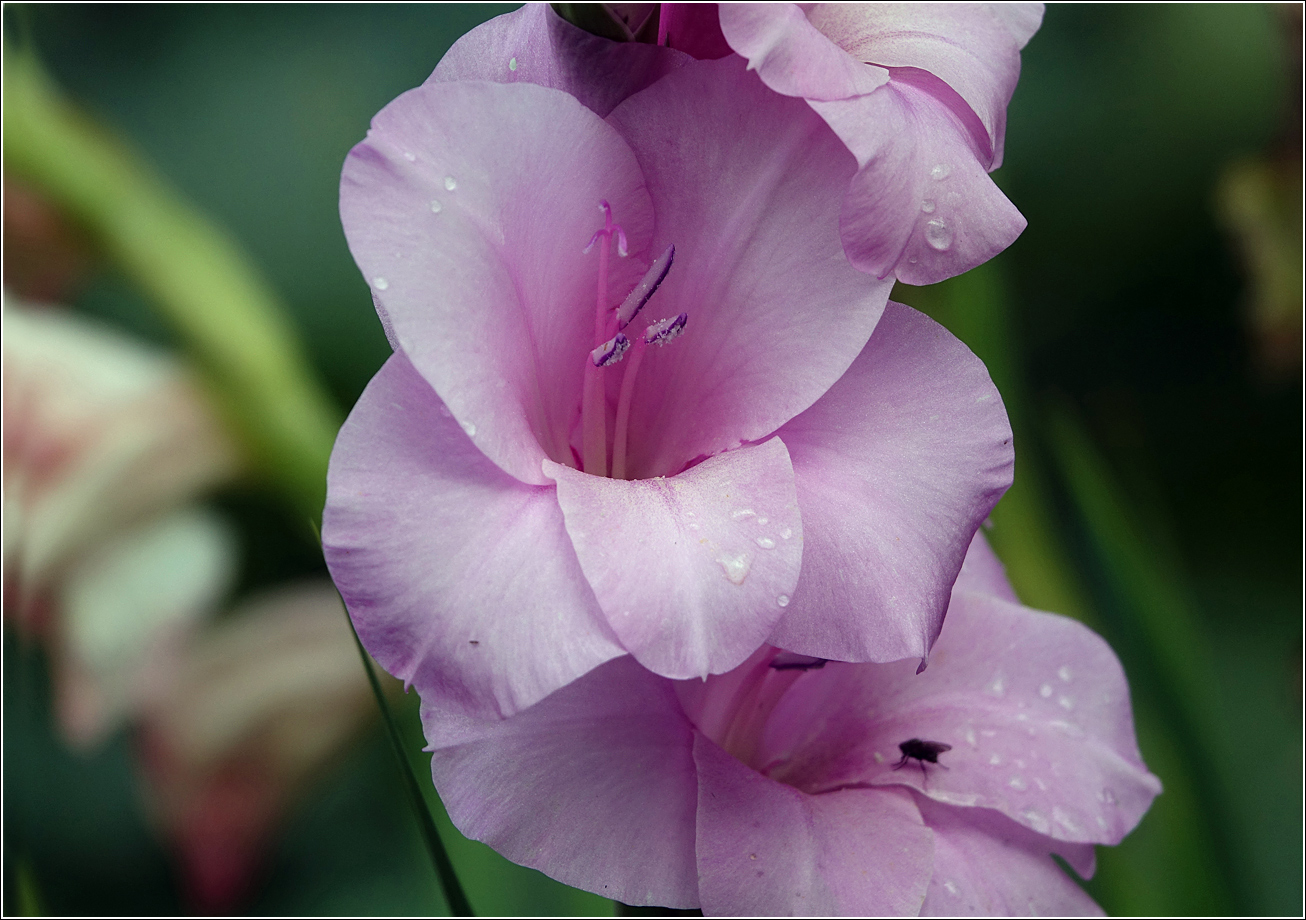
(796, 786)
(919, 93)
(567, 461)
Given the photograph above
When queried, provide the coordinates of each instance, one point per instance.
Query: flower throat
(611, 345)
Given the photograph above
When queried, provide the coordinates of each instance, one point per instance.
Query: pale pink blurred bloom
(105, 440)
(253, 709)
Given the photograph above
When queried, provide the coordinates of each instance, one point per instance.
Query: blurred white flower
(105, 442)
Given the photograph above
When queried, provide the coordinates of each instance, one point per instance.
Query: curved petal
(775, 313)
(1035, 708)
(593, 786)
(459, 579)
(792, 56)
(1021, 19)
(983, 573)
(766, 849)
(967, 46)
(695, 29)
(468, 206)
(896, 467)
(986, 865)
(536, 45)
(921, 206)
(692, 572)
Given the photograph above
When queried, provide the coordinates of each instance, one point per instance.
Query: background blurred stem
(197, 277)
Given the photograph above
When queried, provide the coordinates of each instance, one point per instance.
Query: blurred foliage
(1158, 488)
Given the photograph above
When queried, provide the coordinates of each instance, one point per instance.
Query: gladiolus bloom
(787, 786)
(919, 93)
(574, 455)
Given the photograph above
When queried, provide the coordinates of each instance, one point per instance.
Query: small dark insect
(921, 751)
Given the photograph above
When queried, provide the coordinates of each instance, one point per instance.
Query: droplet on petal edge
(380, 284)
(450, 183)
(938, 235)
(469, 428)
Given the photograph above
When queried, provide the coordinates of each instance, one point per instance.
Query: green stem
(197, 277)
(459, 906)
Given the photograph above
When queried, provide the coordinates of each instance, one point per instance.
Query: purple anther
(664, 330)
(611, 351)
(636, 299)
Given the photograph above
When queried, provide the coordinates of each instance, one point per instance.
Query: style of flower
(788, 786)
(517, 499)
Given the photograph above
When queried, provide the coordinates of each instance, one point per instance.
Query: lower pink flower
(795, 785)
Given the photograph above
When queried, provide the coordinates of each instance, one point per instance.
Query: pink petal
(792, 56)
(535, 45)
(986, 865)
(693, 571)
(922, 206)
(983, 573)
(971, 51)
(694, 29)
(1021, 19)
(896, 466)
(593, 786)
(472, 228)
(460, 579)
(768, 849)
(775, 313)
(1035, 707)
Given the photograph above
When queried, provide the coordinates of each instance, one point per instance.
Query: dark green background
(1123, 311)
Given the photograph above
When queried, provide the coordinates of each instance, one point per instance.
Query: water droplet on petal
(1035, 821)
(469, 428)
(879, 758)
(512, 64)
(997, 688)
(927, 206)
(783, 600)
(1045, 691)
(940, 172)
(766, 543)
(951, 888)
(1066, 702)
(786, 534)
(1107, 796)
(995, 760)
(435, 206)
(450, 183)
(970, 736)
(763, 520)
(1064, 673)
(938, 235)
(410, 157)
(380, 284)
(1064, 818)
(735, 567)
(740, 513)
(693, 525)
(1017, 783)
